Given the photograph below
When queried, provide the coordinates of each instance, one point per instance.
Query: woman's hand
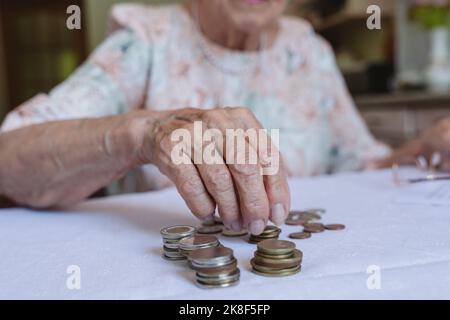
(434, 139)
(244, 197)
(63, 162)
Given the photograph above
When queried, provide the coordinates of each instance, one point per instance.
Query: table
(116, 244)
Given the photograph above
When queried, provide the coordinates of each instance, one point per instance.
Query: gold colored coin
(300, 235)
(299, 222)
(313, 227)
(271, 256)
(334, 226)
(211, 271)
(275, 246)
(290, 262)
(231, 233)
(276, 273)
(210, 229)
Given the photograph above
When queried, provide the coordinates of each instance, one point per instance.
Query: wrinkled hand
(244, 197)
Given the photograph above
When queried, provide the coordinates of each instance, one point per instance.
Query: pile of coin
(270, 232)
(189, 244)
(276, 258)
(171, 240)
(215, 267)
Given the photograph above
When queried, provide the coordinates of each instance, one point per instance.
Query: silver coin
(177, 232)
(220, 277)
(197, 242)
(211, 256)
(221, 285)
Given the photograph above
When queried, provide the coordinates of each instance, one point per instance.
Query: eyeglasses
(428, 170)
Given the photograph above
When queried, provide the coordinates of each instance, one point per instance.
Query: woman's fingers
(269, 158)
(242, 161)
(248, 186)
(279, 196)
(219, 183)
(191, 187)
(253, 200)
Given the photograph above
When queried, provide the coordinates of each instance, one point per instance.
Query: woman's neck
(224, 33)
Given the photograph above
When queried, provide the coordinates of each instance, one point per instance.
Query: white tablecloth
(117, 246)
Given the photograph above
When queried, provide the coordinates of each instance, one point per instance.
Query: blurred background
(399, 75)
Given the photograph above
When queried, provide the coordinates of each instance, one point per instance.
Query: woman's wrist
(129, 139)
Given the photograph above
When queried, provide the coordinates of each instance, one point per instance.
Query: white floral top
(156, 58)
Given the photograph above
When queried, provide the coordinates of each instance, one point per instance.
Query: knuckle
(191, 187)
(219, 180)
(202, 209)
(256, 207)
(246, 170)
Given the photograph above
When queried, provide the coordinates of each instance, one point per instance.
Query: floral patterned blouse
(156, 58)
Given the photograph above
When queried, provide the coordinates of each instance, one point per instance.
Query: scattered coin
(334, 226)
(210, 229)
(299, 222)
(318, 211)
(231, 233)
(300, 235)
(313, 227)
(298, 218)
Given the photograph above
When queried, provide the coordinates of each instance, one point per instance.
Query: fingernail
(278, 215)
(236, 226)
(257, 227)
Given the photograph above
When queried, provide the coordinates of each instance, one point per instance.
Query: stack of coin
(276, 258)
(189, 244)
(171, 238)
(215, 267)
(270, 232)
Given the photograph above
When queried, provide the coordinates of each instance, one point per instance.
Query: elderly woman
(112, 118)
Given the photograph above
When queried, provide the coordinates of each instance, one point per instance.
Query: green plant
(431, 14)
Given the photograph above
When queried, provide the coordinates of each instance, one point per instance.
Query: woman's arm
(63, 162)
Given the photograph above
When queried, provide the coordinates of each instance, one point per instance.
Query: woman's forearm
(62, 162)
